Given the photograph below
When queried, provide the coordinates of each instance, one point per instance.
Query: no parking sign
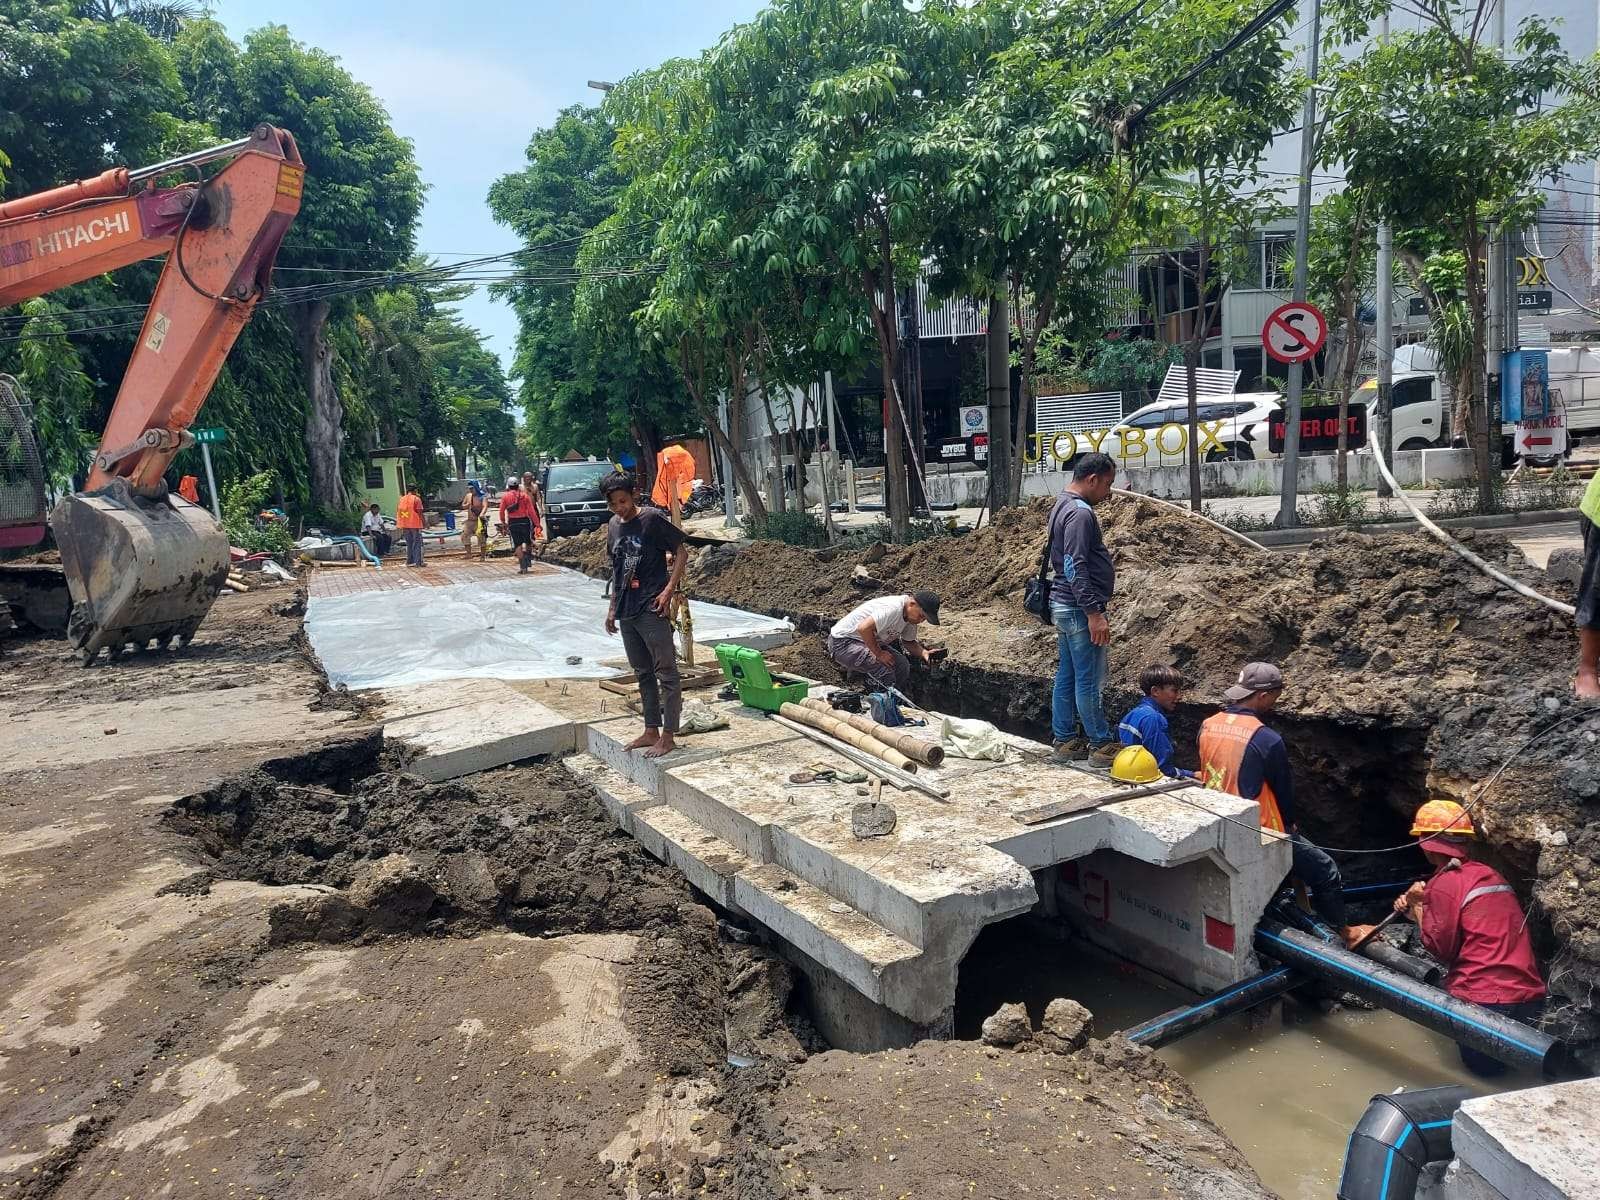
(1294, 332)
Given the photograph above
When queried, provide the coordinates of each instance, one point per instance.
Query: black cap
(928, 602)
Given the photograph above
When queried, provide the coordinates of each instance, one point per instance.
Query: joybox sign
(1127, 444)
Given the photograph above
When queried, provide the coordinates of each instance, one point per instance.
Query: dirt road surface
(244, 957)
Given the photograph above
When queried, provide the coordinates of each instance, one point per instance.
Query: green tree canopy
(589, 385)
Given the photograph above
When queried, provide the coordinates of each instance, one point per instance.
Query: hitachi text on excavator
(143, 565)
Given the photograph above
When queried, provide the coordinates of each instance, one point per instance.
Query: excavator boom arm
(142, 565)
(221, 238)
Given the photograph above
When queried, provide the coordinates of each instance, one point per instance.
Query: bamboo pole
(929, 754)
(848, 734)
(875, 767)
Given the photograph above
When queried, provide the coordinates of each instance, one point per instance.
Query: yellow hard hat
(1135, 764)
(1442, 816)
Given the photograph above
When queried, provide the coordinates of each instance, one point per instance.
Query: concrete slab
(848, 947)
(1542, 1143)
(1169, 881)
(480, 736)
(606, 740)
(579, 700)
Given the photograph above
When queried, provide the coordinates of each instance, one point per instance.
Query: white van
(1420, 418)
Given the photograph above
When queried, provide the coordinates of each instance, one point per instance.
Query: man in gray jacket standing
(1083, 584)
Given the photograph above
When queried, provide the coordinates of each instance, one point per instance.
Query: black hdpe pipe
(1494, 1034)
(1180, 1022)
(1378, 950)
(1396, 1137)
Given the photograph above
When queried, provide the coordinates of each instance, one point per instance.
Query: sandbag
(966, 738)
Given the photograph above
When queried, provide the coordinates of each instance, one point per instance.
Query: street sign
(961, 449)
(1294, 332)
(1545, 438)
(210, 437)
(1319, 428)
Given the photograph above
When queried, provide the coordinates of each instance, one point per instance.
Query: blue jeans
(1080, 679)
(1320, 874)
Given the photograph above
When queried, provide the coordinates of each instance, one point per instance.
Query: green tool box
(759, 688)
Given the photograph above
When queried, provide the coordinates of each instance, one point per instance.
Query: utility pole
(1383, 425)
(999, 398)
(729, 516)
(1495, 284)
(1287, 516)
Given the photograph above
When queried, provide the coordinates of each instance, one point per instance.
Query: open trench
(738, 1082)
(1286, 1082)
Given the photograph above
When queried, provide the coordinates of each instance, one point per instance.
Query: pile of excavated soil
(968, 571)
(525, 848)
(962, 1119)
(759, 1107)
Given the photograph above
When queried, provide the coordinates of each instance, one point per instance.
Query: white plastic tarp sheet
(520, 628)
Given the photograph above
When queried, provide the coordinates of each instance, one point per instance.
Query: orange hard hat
(1442, 817)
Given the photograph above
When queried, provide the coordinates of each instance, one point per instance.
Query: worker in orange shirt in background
(408, 518)
(674, 473)
(189, 489)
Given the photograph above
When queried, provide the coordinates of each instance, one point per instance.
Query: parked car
(1243, 435)
(572, 499)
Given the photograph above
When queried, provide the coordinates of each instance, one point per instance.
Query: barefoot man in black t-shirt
(642, 587)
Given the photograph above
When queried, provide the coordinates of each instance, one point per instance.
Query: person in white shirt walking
(875, 638)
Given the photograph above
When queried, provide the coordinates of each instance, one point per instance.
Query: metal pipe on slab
(929, 754)
(1494, 1034)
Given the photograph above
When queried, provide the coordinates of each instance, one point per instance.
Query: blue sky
(469, 82)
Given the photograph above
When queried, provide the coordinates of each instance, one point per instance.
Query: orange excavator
(143, 565)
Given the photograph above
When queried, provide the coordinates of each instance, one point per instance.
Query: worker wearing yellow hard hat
(1471, 921)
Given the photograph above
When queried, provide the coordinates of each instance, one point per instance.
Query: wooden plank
(628, 685)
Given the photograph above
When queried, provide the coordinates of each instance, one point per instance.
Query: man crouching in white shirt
(875, 638)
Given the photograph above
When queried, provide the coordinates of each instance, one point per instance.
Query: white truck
(1421, 418)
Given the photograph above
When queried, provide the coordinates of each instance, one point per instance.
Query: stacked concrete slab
(1538, 1144)
(880, 924)
(893, 916)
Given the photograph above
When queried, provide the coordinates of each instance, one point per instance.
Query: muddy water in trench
(1285, 1083)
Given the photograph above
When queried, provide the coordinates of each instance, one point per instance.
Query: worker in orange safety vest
(408, 519)
(1240, 755)
(674, 473)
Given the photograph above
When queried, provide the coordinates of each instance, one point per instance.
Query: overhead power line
(1254, 26)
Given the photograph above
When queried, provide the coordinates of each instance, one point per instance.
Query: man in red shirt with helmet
(1471, 922)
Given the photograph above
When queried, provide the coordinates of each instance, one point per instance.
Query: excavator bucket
(140, 569)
